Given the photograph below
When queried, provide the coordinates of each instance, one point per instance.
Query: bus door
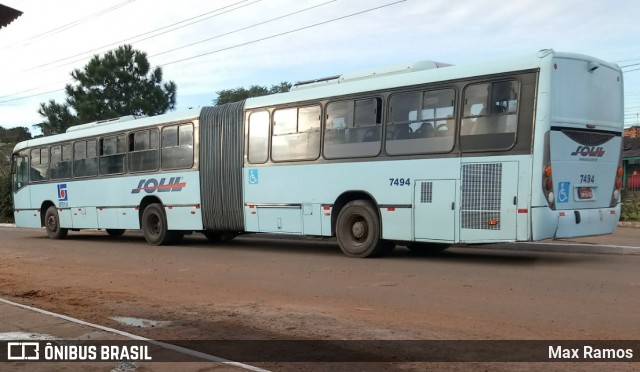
(489, 196)
(434, 212)
(23, 214)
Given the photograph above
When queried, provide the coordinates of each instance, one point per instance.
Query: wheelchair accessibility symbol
(253, 177)
(563, 192)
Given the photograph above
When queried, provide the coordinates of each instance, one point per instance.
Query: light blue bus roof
(94, 129)
(381, 79)
(343, 85)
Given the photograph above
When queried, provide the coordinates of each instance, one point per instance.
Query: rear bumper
(570, 223)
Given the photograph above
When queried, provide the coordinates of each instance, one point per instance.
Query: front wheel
(358, 231)
(52, 224)
(154, 225)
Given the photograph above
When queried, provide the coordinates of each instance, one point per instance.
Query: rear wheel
(154, 225)
(358, 231)
(52, 224)
(115, 232)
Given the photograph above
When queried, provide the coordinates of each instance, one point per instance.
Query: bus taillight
(548, 184)
(618, 183)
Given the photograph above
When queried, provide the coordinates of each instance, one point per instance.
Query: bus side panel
(84, 217)
(128, 218)
(183, 218)
(24, 214)
(64, 214)
(27, 218)
(108, 218)
(397, 223)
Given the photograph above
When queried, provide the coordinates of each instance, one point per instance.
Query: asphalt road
(255, 288)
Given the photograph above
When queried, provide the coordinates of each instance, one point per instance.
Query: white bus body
(426, 155)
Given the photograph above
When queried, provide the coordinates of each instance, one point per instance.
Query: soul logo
(152, 185)
(589, 151)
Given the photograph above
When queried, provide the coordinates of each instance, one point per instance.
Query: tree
(14, 135)
(238, 94)
(58, 118)
(118, 84)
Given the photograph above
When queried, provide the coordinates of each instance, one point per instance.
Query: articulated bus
(424, 155)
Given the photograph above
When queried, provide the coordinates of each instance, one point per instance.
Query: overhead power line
(187, 45)
(243, 44)
(282, 33)
(68, 25)
(85, 53)
(243, 28)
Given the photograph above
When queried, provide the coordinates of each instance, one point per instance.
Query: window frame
(268, 136)
(131, 137)
(162, 146)
(490, 97)
(101, 150)
(273, 133)
(352, 105)
(423, 92)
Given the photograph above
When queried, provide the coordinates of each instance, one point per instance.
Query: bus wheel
(427, 248)
(358, 230)
(154, 225)
(115, 232)
(52, 224)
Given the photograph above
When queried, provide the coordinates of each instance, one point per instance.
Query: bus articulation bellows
(424, 155)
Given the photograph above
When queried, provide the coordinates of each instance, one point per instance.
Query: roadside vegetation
(630, 206)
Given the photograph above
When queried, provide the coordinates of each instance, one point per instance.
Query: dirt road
(278, 289)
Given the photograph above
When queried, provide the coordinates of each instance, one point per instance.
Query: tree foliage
(58, 118)
(14, 135)
(117, 84)
(6, 208)
(238, 94)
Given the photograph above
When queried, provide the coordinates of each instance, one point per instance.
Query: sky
(208, 46)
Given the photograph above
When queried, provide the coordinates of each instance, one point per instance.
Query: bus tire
(424, 248)
(358, 230)
(115, 232)
(52, 224)
(154, 225)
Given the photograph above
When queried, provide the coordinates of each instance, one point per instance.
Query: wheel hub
(359, 229)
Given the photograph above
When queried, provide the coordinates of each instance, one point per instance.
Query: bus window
(85, 159)
(421, 122)
(490, 116)
(61, 159)
(112, 155)
(258, 137)
(40, 164)
(353, 128)
(144, 154)
(177, 146)
(296, 134)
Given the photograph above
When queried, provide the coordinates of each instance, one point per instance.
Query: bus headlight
(550, 197)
